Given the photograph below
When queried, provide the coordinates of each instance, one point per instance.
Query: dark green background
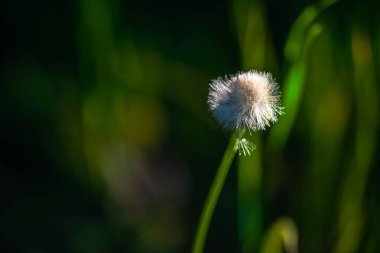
(107, 144)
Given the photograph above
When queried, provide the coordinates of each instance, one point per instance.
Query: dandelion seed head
(249, 100)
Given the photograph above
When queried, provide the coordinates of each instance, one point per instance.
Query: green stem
(214, 194)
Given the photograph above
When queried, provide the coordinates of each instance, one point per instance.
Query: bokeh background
(107, 144)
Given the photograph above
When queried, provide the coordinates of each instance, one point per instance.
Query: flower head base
(245, 101)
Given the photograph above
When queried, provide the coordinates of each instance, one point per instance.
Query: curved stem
(213, 196)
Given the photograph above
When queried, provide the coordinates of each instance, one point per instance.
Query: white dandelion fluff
(245, 101)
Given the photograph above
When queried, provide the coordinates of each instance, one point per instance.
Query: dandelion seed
(243, 146)
(245, 101)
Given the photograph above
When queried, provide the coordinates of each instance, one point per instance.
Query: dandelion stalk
(213, 196)
(246, 101)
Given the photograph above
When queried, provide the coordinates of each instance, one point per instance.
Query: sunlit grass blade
(250, 218)
(302, 34)
(257, 52)
(282, 234)
(293, 88)
(299, 30)
(255, 42)
(352, 216)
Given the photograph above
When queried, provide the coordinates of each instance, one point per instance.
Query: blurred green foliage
(108, 146)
